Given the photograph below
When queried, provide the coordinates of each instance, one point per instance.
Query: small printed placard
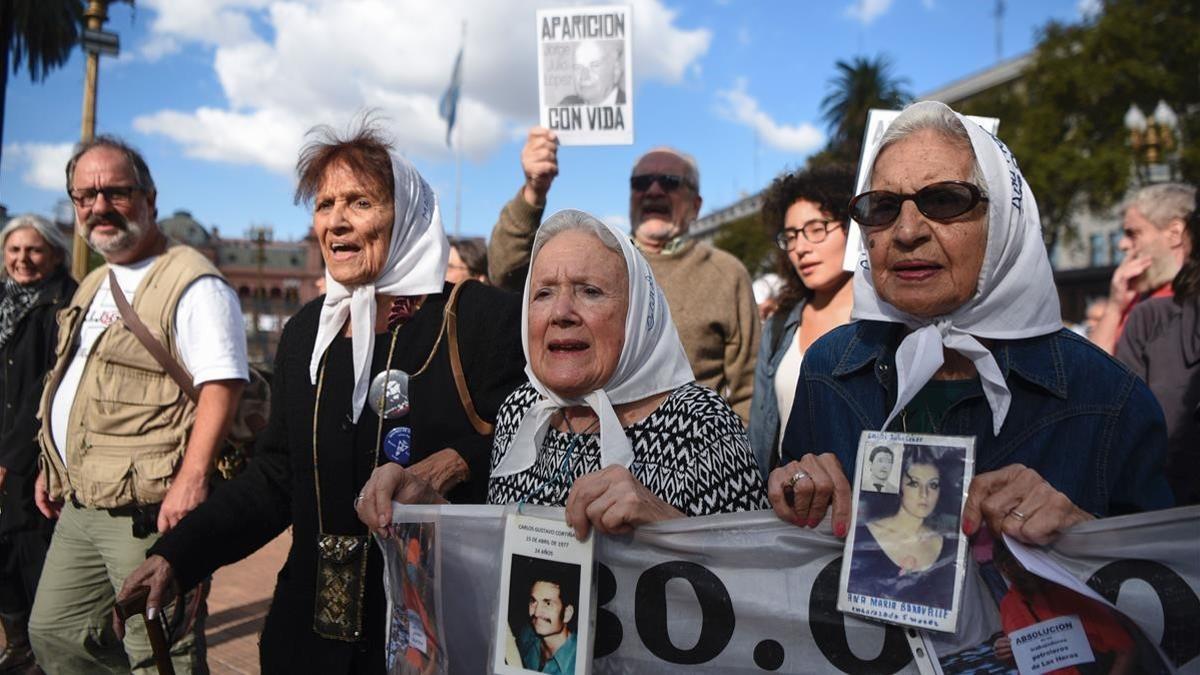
(544, 618)
(1051, 645)
(905, 554)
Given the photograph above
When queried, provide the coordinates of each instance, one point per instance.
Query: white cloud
(43, 163)
(1088, 9)
(286, 65)
(866, 11)
(738, 105)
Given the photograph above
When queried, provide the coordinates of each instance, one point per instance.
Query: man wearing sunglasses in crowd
(708, 290)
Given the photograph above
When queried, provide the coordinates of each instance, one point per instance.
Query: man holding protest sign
(708, 290)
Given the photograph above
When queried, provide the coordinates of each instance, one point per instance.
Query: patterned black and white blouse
(692, 452)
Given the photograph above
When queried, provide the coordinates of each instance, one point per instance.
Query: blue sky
(218, 94)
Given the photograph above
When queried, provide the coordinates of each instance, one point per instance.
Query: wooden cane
(134, 605)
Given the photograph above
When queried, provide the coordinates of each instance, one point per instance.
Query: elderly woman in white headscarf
(612, 424)
(959, 332)
(392, 366)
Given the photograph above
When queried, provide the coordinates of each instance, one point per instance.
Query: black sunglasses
(668, 182)
(939, 201)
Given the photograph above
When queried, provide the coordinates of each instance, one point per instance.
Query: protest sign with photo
(585, 74)
(414, 633)
(748, 593)
(855, 257)
(905, 555)
(543, 622)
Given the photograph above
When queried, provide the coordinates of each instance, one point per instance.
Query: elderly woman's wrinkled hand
(614, 502)
(1017, 501)
(157, 575)
(388, 483)
(802, 491)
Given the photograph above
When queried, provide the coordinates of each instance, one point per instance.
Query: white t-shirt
(787, 375)
(209, 331)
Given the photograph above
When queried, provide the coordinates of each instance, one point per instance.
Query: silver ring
(358, 500)
(797, 477)
(1017, 514)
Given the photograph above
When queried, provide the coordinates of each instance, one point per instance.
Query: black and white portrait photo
(882, 470)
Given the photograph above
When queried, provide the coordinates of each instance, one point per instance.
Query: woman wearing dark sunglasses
(959, 332)
(807, 214)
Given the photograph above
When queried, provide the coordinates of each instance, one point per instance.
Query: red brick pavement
(237, 605)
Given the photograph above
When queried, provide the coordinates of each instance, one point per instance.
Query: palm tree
(40, 33)
(859, 85)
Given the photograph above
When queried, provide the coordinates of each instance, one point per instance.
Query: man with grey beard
(125, 452)
(1154, 247)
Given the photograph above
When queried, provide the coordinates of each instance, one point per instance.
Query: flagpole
(458, 180)
(458, 146)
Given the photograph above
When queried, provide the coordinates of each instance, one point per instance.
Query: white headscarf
(416, 265)
(1015, 297)
(652, 360)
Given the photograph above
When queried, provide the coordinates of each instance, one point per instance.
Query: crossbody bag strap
(134, 323)
(460, 381)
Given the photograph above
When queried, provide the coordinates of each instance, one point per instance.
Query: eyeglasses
(814, 231)
(117, 195)
(940, 201)
(668, 182)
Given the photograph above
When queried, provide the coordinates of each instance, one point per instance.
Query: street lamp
(1153, 141)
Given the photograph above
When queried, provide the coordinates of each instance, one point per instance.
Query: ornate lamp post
(1154, 142)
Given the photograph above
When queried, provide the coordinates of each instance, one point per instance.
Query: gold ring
(1017, 514)
(796, 478)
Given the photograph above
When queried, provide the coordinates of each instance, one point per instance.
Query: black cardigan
(25, 358)
(277, 488)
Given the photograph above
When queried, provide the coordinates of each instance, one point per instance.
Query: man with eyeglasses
(125, 454)
(708, 290)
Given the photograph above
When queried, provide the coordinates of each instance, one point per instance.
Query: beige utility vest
(129, 424)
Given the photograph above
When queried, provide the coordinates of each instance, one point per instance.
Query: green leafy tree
(1064, 119)
(747, 240)
(39, 34)
(859, 85)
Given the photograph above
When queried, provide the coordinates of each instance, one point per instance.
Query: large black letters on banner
(828, 627)
(608, 626)
(650, 612)
(1180, 606)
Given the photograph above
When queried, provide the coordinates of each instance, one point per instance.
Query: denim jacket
(1083, 421)
(764, 407)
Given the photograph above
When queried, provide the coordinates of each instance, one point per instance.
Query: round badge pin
(388, 395)
(397, 445)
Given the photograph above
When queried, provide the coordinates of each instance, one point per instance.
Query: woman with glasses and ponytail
(806, 211)
(958, 331)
